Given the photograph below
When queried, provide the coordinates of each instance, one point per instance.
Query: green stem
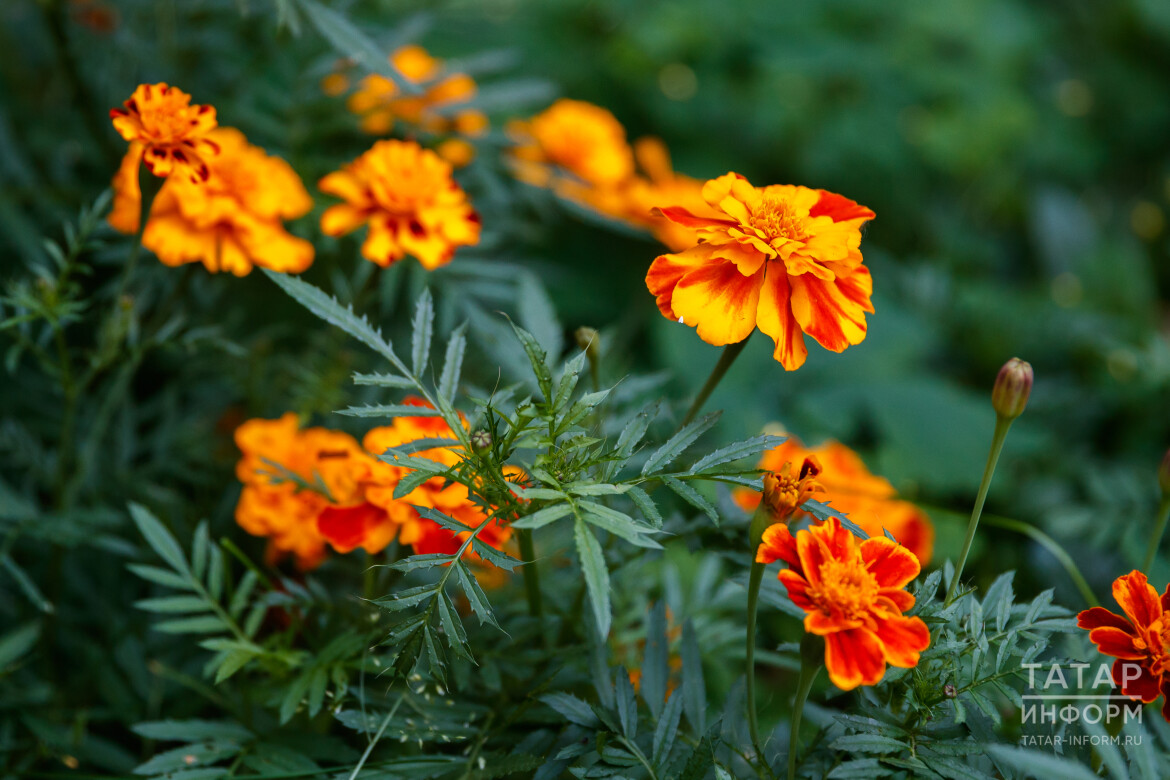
(808, 673)
(1001, 428)
(730, 353)
(760, 522)
(381, 730)
(1050, 544)
(531, 574)
(1156, 536)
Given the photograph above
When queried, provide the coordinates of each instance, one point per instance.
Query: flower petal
(778, 544)
(1117, 642)
(797, 588)
(903, 638)
(1096, 617)
(890, 563)
(666, 271)
(1137, 598)
(854, 658)
(349, 527)
(719, 302)
(774, 317)
(827, 313)
(838, 208)
(1138, 682)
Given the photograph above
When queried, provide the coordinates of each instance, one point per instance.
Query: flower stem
(1050, 544)
(730, 353)
(1156, 536)
(531, 574)
(808, 672)
(1001, 428)
(760, 521)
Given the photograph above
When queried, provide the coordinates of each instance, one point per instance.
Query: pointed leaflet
(692, 497)
(389, 411)
(694, 687)
(383, 380)
(422, 330)
(160, 539)
(453, 362)
(654, 669)
(537, 357)
(538, 316)
(675, 445)
(596, 574)
(353, 43)
(328, 309)
(740, 449)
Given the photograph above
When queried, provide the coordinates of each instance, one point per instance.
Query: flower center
(847, 586)
(775, 218)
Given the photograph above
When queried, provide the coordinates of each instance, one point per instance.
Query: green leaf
(453, 363)
(160, 539)
(590, 489)
(326, 307)
(475, 596)
(26, 585)
(453, 627)
(191, 730)
(200, 545)
(389, 411)
(207, 624)
(627, 705)
(568, 382)
(384, 380)
(692, 497)
(733, 452)
(596, 574)
(353, 43)
(654, 669)
(175, 604)
(419, 562)
(407, 484)
(1037, 763)
(646, 506)
(243, 592)
(667, 729)
(15, 643)
(161, 576)
(536, 494)
(694, 687)
(573, 709)
(536, 356)
(423, 330)
(676, 444)
(542, 517)
(494, 556)
(538, 316)
(868, 743)
(619, 524)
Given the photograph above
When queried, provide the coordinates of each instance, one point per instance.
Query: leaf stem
(1050, 544)
(1001, 428)
(730, 353)
(531, 574)
(1156, 536)
(808, 673)
(381, 730)
(760, 521)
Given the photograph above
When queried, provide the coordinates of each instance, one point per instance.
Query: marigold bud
(481, 439)
(1164, 474)
(1012, 388)
(785, 490)
(589, 340)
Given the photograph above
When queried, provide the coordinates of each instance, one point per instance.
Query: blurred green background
(1017, 155)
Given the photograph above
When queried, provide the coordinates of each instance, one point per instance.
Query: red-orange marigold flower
(1140, 641)
(782, 258)
(230, 222)
(786, 488)
(868, 500)
(172, 133)
(853, 595)
(409, 200)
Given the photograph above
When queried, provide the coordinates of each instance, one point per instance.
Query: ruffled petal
(1096, 617)
(797, 588)
(774, 317)
(1136, 680)
(666, 271)
(719, 302)
(826, 313)
(891, 564)
(854, 658)
(838, 208)
(903, 639)
(778, 544)
(1137, 598)
(1117, 643)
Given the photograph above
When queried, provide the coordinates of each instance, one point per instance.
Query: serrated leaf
(542, 517)
(191, 730)
(384, 380)
(475, 596)
(692, 497)
(536, 357)
(160, 539)
(207, 624)
(453, 363)
(740, 449)
(596, 574)
(676, 444)
(646, 506)
(538, 315)
(423, 329)
(654, 668)
(572, 709)
(161, 576)
(175, 604)
(326, 307)
(424, 561)
(1037, 763)
(694, 688)
(667, 729)
(619, 524)
(868, 743)
(389, 411)
(627, 705)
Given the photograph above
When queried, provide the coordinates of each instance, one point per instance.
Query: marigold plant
(169, 133)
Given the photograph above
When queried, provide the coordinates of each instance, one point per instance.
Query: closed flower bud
(1012, 387)
(481, 439)
(589, 340)
(1164, 475)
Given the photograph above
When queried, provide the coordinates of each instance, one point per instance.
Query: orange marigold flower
(782, 258)
(1140, 641)
(852, 592)
(382, 517)
(230, 222)
(172, 133)
(785, 489)
(662, 186)
(869, 501)
(577, 138)
(407, 197)
(379, 101)
(275, 506)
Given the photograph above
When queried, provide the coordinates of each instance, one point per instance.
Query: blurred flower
(98, 16)
(1012, 387)
(171, 134)
(409, 200)
(379, 101)
(456, 151)
(576, 138)
(849, 487)
(852, 592)
(784, 258)
(659, 188)
(334, 84)
(274, 505)
(232, 221)
(1140, 641)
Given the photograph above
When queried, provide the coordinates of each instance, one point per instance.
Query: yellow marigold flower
(334, 84)
(171, 133)
(784, 258)
(379, 101)
(576, 137)
(231, 221)
(408, 199)
(456, 151)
